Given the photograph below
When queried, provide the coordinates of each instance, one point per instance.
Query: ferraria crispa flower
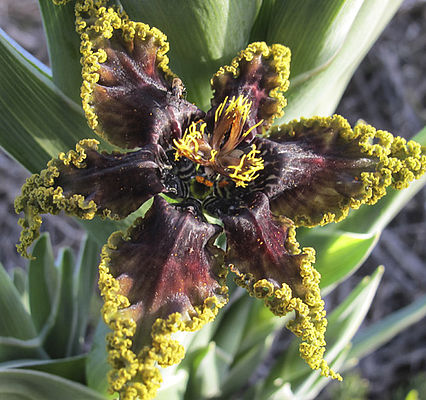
(165, 273)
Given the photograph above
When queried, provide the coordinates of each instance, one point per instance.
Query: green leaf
(232, 327)
(60, 336)
(64, 47)
(16, 349)
(203, 36)
(97, 366)
(243, 368)
(338, 254)
(42, 281)
(174, 384)
(311, 387)
(260, 323)
(316, 88)
(379, 333)
(343, 323)
(38, 120)
(204, 380)
(315, 31)
(261, 26)
(35, 385)
(15, 322)
(20, 280)
(84, 289)
(71, 368)
(345, 320)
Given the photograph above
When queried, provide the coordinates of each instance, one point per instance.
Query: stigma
(224, 150)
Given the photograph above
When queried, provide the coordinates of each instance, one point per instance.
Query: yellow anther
(188, 145)
(253, 127)
(246, 170)
(213, 155)
(241, 104)
(219, 109)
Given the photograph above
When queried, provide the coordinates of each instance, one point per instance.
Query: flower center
(223, 151)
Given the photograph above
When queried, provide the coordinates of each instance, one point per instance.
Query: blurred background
(388, 91)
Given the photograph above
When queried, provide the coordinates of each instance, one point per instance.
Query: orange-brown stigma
(218, 151)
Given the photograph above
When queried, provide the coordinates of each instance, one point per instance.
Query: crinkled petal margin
(260, 73)
(133, 293)
(85, 183)
(130, 96)
(317, 169)
(278, 272)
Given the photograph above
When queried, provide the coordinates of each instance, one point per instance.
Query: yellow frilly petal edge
(96, 23)
(60, 2)
(400, 162)
(281, 57)
(137, 376)
(309, 323)
(40, 196)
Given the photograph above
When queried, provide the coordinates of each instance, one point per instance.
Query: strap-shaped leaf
(60, 337)
(317, 91)
(15, 320)
(343, 323)
(64, 46)
(203, 36)
(84, 284)
(38, 121)
(34, 385)
(71, 368)
(42, 282)
(379, 333)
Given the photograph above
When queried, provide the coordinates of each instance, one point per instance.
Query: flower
(166, 273)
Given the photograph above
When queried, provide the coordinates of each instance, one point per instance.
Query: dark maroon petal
(166, 263)
(259, 73)
(118, 183)
(264, 254)
(317, 169)
(258, 246)
(129, 94)
(85, 183)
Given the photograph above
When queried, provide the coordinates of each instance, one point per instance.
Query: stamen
(213, 155)
(188, 146)
(253, 127)
(240, 104)
(246, 170)
(219, 109)
(213, 150)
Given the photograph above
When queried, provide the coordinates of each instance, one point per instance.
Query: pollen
(246, 170)
(189, 145)
(240, 105)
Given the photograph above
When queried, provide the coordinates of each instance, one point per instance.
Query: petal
(317, 169)
(129, 94)
(164, 275)
(260, 73)
(264, 254)
(85, 183)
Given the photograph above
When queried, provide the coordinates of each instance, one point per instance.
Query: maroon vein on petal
(260, 73)
(129, 94)
(257, 248)
(119, 183)
(166, 263)
(314, 174)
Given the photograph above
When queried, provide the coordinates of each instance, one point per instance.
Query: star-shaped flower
(166, 273)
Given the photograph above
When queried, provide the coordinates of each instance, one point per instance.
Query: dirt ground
(388, 91)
